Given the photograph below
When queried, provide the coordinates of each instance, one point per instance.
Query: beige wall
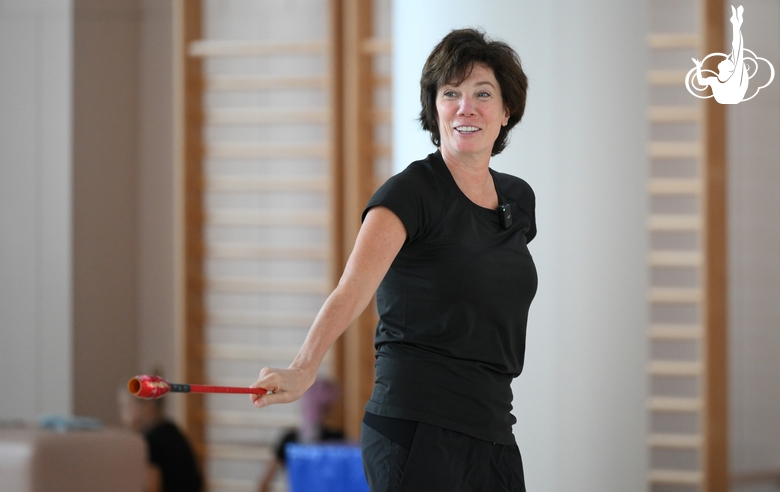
(123, 199)
(105, 201)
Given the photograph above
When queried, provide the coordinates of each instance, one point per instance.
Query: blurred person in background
(171, 462)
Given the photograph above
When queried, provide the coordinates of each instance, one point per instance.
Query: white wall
(581, 400)
(35, 207)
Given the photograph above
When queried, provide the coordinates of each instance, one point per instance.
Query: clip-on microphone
(504, 208)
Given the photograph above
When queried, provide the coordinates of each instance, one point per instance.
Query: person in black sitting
(444, 244)
(171, 462)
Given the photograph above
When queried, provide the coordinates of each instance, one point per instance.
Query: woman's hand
(283, 385)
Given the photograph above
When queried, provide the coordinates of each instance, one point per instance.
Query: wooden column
(336, 142)
(193, 367)
(358, 352)
(716, 463)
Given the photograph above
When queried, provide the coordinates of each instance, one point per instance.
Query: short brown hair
(452, 60)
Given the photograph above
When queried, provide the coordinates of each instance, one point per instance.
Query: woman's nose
(466, 106)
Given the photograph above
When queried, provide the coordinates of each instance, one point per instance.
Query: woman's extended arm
(377, 244)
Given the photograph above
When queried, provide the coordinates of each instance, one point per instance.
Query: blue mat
(325, 468)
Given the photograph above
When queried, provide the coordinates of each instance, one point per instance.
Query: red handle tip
(148, 387)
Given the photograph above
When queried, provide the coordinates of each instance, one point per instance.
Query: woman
(447, 240)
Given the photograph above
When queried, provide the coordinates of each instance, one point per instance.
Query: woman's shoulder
(423, 170)
(515, 188)
(419, 176)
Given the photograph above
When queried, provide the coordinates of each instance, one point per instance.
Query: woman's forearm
(341, 308)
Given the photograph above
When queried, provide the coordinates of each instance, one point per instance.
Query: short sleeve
(403, 195)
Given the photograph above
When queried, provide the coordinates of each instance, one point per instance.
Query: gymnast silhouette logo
(730, 84)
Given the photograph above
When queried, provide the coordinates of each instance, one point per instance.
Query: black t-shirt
(454, 304)
(170, 451)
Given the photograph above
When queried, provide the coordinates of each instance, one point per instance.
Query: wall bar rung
(675, 296)
(669, 41)
(214, 48)
(682, 259)
(671, 223)
(676, 186)
(247, 150)
(674, 114)
(250, 352)
(261, 218)
(675, 368)
(260, 319)
(252, 116)
(674, 150)
(676, 332)
(675, 441)
(676, 477)
(239, 251)
(260, 83)
(675, 405)
(267, 285)
(238, 184)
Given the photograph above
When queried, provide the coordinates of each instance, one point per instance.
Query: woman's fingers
(273, 399)
(283, 386)
(264, 380)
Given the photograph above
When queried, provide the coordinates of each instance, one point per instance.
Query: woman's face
(471, 114)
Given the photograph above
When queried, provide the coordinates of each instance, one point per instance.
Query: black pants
(440, 460)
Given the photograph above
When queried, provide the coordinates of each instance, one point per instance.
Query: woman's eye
(448, 93)
(483, 94)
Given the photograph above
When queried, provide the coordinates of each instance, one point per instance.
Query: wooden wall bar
(716, 463)
(359, 184)
(193, 368)
(336, 138)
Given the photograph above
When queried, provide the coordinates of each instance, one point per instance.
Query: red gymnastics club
(152, 387)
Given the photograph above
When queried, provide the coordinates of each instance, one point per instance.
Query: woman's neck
(472, 175)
